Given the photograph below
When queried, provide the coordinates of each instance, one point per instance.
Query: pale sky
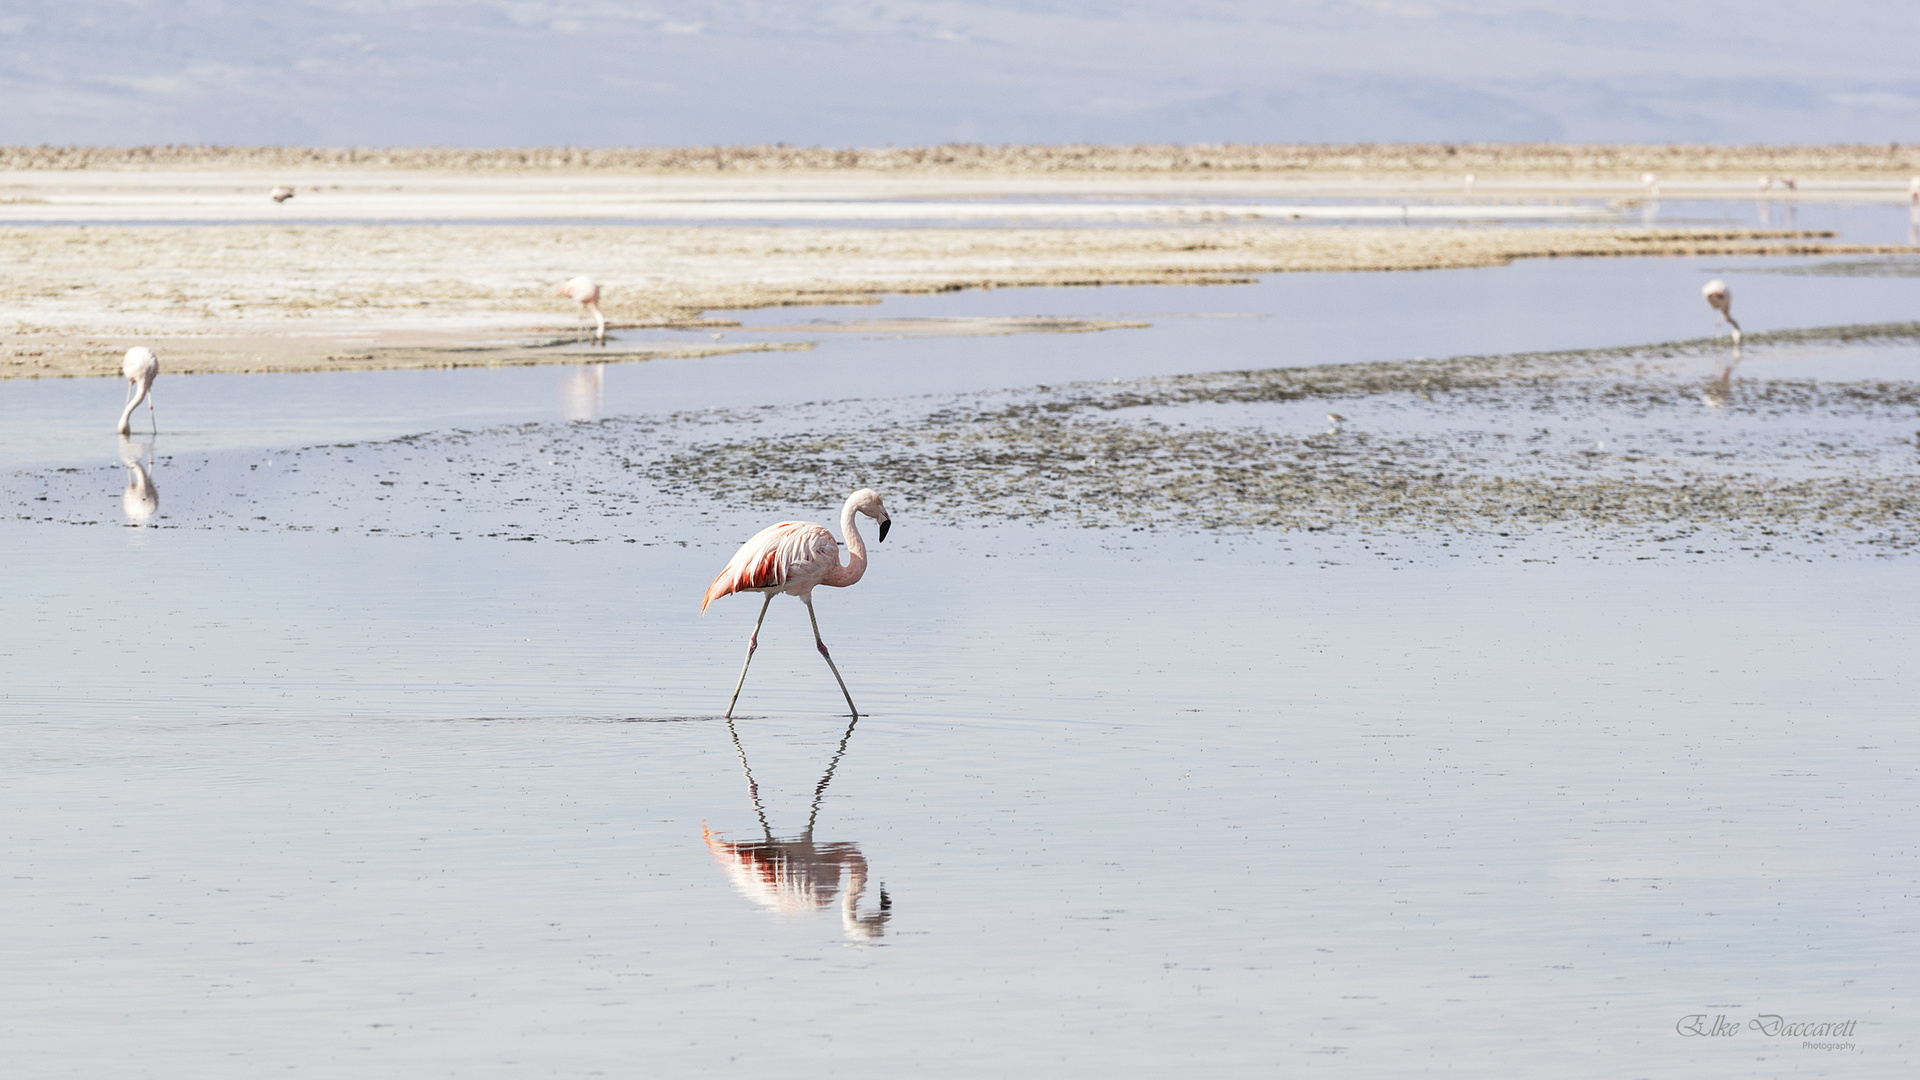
(613, 73)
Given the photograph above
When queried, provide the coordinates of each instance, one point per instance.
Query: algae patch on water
(1226, 450)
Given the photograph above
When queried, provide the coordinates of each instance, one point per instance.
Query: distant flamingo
(1720, 299)
(1651, 183)
(1468, 189)
(281, 193)
(586, 293)
(1766, 184)
(1913, 190)
(141, 368)
(795, 557)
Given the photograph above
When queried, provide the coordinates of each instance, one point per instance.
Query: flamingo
(1468, 189)
(795, 557)
(1913, 190)
(1720, 299)
(586, 293)
(280, 193)
(1651, 183)
(141, 368)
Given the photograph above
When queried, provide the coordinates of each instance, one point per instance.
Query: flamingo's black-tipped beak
(885, 524)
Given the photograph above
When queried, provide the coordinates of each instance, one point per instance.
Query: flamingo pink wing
(770, 559)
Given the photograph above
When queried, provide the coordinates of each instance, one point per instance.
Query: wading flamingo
(794, 557)
(583, 291)
(281, 193)
(1720, 299)
(141, 368)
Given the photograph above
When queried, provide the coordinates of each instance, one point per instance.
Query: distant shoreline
(242, 298)
(1596, 160)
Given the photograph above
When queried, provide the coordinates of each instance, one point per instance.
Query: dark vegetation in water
(1146, 453)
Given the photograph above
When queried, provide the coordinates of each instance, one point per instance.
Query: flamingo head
(868, 503)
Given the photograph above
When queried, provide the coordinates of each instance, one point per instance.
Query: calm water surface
(359, 805)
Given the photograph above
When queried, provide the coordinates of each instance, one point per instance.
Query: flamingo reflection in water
(1720, 390)
(141, 500)
(582, 390)
(799, 874)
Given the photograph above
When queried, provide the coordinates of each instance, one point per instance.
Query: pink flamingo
(1720, 299)
(280, 193)
(141, 368)
(794, 557)
(586, 293)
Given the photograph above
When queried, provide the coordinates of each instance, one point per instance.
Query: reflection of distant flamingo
(1720, 299)
(141, 500)
(581, 392)
(795, 557)
(1720, 390)
(141, 367)
(583, 291)
(799, 875)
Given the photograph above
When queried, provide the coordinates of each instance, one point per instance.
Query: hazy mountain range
(602, 72)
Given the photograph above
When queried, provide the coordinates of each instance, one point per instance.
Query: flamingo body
(140, 368)
(586, 292)
(281, 193)
(791, 557)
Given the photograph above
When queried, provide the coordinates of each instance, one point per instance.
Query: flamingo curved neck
(856, 566)
(126, 414)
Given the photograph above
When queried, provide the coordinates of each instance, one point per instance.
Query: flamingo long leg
(752, 644)
(851, 707)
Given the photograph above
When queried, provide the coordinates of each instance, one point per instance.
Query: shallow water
(288, 793)
(431, 805)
